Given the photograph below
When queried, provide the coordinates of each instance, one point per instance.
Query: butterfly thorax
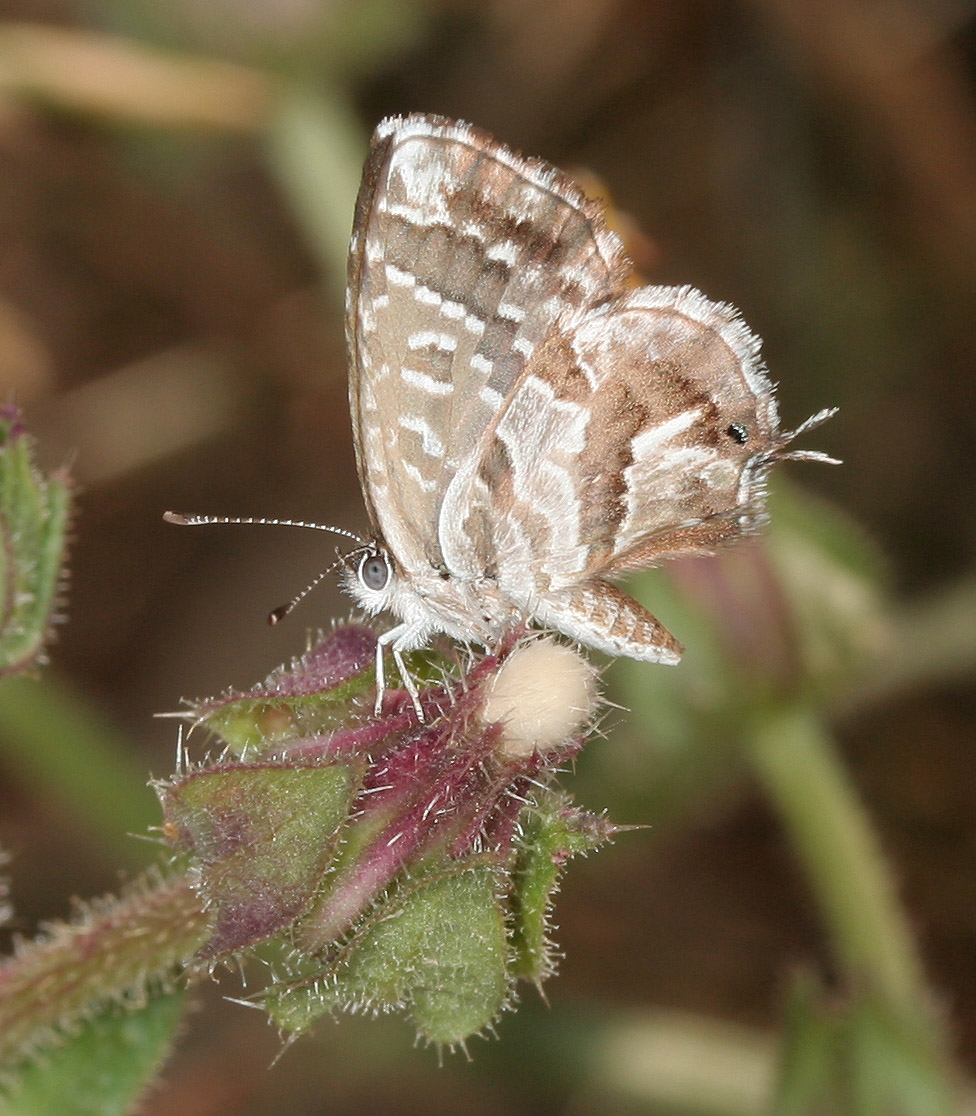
(432, 600)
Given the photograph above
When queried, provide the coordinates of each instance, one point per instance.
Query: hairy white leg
(404, 637)
(408, 682)
(380, 674)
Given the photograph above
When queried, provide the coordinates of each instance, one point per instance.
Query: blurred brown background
(166, 320)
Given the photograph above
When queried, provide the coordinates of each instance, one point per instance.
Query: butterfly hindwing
(641, 430)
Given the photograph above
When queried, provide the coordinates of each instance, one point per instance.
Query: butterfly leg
(402, 638)
(600, 615)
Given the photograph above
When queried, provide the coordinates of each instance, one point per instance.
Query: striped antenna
(277, 614)
(183, 520)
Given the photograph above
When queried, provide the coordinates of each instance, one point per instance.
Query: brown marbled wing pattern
(464, 256)
(623, 441)
(693, 475)
(641, 431)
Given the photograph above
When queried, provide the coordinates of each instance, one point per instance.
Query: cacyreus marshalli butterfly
(530, 425)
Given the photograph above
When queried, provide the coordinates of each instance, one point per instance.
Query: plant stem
(60, 745)
(115, 951)
(794, 758)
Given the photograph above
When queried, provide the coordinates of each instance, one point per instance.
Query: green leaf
(553, 832)
(309, 696)
(315, 150)
(437, 952)
(797, 612)
(252, 727)
(104, 1068)
(78, 762)
(807, 1070)
(894, 1063)
(835, 582)
(261, 838)
(34, 515)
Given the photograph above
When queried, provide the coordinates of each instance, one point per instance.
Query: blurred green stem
(66, 752)
(793, 756)
(315, 149)
(932, 643)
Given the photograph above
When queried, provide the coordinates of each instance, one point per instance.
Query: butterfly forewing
(464, 257)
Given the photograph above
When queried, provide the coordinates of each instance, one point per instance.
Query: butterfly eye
(738, 433)
(374, 571)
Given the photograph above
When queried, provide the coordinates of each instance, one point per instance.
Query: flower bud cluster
(382, 862)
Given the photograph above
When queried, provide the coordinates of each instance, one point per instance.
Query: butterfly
(529, 425)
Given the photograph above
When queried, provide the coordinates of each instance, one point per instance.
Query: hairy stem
(112, 952)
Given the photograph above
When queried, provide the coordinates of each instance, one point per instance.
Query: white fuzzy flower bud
(543, 695)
